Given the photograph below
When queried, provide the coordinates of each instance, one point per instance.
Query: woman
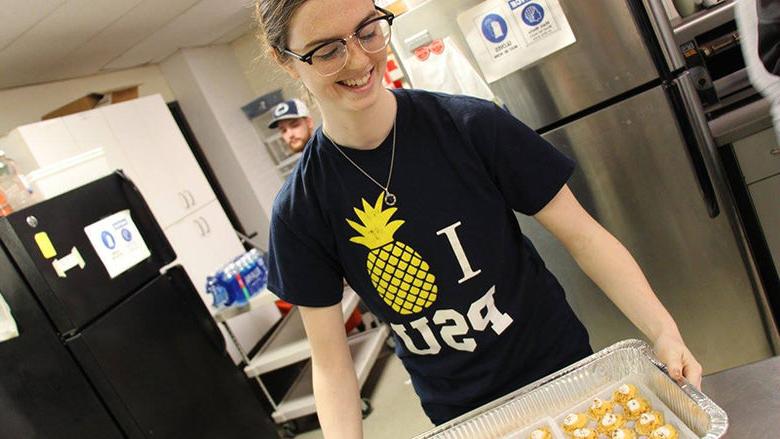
(409, 195)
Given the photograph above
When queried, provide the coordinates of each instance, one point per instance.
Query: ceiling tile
(202, 24)
(48, 40)
(236, 32)
(112, 42)
(56, 36)
(19, 16)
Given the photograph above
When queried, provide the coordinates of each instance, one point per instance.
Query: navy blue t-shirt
(474, 310)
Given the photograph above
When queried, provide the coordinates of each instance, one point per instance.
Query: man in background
(294, 123)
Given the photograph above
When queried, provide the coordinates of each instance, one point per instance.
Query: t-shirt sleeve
(527, 169)
(300, 270)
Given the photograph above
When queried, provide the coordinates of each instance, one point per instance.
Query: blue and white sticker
(117, 255)
(535, 20)
(494, 28)
(533, 14)
(108, 240)
(507, 35)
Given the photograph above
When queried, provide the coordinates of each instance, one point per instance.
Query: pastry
(541, 433)
(664, 432)
(573, 421)
(599, 408)
(648, 422)
(624, 393)
(635, 407)
(623, 433)
(584, 433)
(609, 422)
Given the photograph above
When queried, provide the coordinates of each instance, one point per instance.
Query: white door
(90, 130)
(204, 241)
(146, 152)
(176, 151)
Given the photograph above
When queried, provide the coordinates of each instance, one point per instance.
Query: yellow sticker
(44, 243)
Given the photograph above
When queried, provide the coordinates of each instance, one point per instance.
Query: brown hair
(273, 19)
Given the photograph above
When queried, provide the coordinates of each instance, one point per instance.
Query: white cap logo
(281, 109)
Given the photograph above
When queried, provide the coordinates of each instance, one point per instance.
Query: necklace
(389, 198)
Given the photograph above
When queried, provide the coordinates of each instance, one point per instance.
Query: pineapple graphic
(397, 271)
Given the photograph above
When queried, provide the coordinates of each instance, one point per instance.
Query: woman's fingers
(692, 371)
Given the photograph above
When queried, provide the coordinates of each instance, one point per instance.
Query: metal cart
(288, 345)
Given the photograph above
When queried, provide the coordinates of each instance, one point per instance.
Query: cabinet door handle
(192, 198)
(200, 226)
(186, 201)
(206, 223)
(774, 151)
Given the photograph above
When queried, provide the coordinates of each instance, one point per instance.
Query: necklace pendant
(389, 199)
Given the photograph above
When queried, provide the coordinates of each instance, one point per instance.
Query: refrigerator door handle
(663, 30)
(696, 135)
(192, 197)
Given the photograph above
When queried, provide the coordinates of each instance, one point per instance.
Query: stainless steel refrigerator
(111, 349)
(620, 102)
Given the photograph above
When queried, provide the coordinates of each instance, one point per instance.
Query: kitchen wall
(262, 73)
(264, 76)
(23, 105)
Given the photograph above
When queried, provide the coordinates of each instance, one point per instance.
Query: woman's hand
(607, 262)
(671, 350)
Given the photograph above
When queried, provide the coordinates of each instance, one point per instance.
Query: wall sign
(507, 35)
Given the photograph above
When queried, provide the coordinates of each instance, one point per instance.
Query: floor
(397, 413)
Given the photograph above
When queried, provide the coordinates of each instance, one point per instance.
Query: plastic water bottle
(258, 259)
(235, 285)
(223, 281)
(17, 194)
(218, 292)
(5, 208)
(252, 274)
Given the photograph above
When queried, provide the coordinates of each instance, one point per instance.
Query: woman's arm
(604, 259)
(336, 391)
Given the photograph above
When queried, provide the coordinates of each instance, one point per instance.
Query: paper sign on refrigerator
(118, 242)
(507, 35)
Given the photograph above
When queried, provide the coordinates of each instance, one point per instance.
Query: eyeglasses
(331, 56)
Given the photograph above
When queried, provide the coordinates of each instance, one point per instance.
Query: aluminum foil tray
(537, 403)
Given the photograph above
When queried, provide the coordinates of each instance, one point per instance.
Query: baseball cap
(291, 109)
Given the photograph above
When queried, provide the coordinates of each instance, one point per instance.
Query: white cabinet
(169, 175)
(204, 241)
(175, 151)
(90, 130)
(41, 144)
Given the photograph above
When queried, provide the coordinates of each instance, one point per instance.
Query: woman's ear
(284, 62)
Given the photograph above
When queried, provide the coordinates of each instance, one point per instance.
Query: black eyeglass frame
(307, 57)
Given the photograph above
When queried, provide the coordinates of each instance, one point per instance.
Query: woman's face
(359, 84)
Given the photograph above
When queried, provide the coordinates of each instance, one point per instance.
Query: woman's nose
(357, 58)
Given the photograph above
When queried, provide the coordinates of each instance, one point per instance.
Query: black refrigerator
(110, 346)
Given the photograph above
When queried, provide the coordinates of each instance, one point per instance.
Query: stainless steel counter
(750, 395)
